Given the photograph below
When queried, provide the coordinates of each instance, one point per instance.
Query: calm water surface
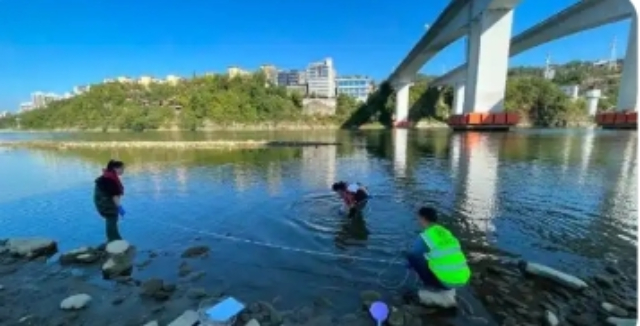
(566, 198)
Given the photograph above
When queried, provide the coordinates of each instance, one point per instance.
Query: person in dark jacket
(107, 197)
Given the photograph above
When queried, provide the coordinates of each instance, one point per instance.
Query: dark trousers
(112, 231)
(357, 209)
(430, 281)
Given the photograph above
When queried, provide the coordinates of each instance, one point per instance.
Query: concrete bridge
(479, 85)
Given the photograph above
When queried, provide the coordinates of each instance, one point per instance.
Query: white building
(321, 79)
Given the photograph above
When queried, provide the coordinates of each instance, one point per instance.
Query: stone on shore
(188, 318)
(157, 289)
(195, 251)
(442, 299)
(120, 261)
(551, 319)
(615, 321)
(555, 275)
(31, 247)
(368, 297)
(83, 255)
(117, 247)
(252, 322)
(614, 310)
(75, 302)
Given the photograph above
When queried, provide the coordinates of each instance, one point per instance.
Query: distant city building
(145, 80)
(124, 80)
(173, 80)
(291, 77)
(571, 91)
(4, 114)
(38, 100)
(234, 71)
(321, 79)
(77, 90)
(270, 72)
(25, 106)
(355, 86)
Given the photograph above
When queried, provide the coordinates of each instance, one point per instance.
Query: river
(564, 198)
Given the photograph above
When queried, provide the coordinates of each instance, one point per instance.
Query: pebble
(551, 318)
(188, 318)
(614, 310)
(396, 317)
(252, 322)
(604, 281)
(197, 293)
(621, 321)
(612, 270)
(75, 302)
(368, 297)
(195, 251)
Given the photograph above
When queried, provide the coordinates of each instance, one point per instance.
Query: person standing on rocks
(436, 256)
(107, 197)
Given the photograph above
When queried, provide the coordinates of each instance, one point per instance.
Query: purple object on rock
(379, 311)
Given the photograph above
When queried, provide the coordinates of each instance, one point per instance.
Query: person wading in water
(355, 197)
(107, 197)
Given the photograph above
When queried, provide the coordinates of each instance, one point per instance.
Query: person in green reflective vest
(437, 257)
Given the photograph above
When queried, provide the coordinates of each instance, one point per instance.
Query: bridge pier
(401, 118)
(458, 98)
(626, 114)
(486, 75)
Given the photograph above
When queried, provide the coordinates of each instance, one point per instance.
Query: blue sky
(52, 45)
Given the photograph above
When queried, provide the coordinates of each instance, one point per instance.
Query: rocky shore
(40, 287)
(222, 144)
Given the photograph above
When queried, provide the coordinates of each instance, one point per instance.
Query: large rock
(622, 321)
(442, 299)
(554, 275)
(188, 318)
(31, 247)
(120, 261)
(75, 302)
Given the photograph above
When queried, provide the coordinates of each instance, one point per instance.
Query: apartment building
(358, 87)
(234, 71)
(321, 79)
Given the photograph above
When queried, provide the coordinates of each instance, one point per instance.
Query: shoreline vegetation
(219, 102)
(219, 144)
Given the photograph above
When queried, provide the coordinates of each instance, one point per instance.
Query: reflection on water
(566, 198)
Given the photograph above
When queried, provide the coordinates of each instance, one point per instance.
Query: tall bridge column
(488, 53)
(626, 114)
(401, 118)
(458, 98)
